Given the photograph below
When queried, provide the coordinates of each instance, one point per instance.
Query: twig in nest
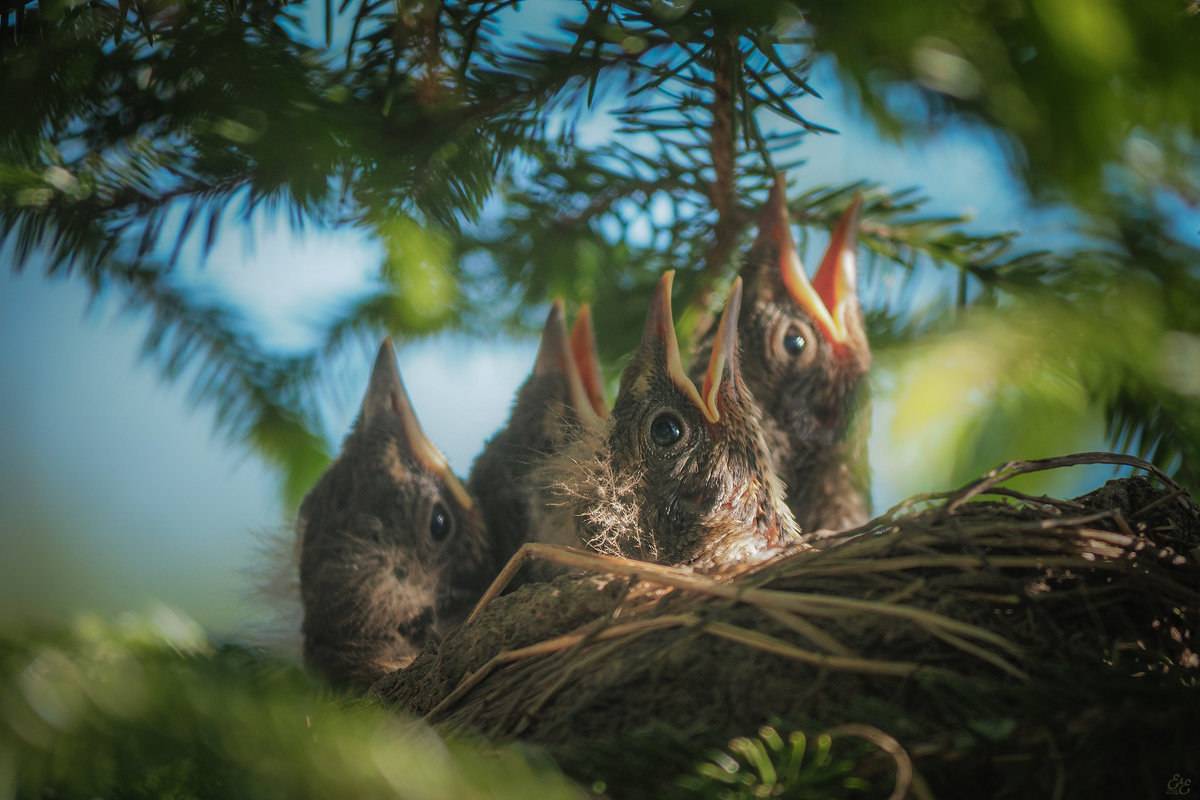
(906, 591)
(1119, 519)
(1051, 502)
(818, 604)
(904, 766)
(1061, 524)
(978, 652)
(1014, 468)
(810, 632)
(558, 643)
(935, 561)
(582, 559)
(631, 631)
(764, 599)
(1178, 491)
(769, 644)
(902, 508)
(564, 677)
(594, 629)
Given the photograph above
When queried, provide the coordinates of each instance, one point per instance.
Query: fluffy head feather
(555, 401)
(805, 358)
(392, 549)
(676, 475)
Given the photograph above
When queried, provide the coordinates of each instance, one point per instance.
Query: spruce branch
(192, 119)
(721, 149)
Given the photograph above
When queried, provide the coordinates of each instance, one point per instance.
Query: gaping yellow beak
(660, 332)
(722, 364)
(833, 290)
(836, 281)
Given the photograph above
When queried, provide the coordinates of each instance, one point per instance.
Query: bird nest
(960, 633)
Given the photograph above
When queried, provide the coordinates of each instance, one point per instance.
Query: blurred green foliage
(505, 153)
(150, 708)
(1070, 82)
(464, 134)
(770, 766)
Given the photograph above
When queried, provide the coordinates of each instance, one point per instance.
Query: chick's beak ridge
(827, 298)
(836, 281)
(422, 449)
(722, 364)
(555, 354)
(660, 332)
(587, 360)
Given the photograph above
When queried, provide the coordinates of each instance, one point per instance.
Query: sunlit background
(117, 495)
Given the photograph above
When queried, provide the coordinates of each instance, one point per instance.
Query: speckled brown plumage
(550, 405)
(392, 549)
(805, 359)
(676, 474)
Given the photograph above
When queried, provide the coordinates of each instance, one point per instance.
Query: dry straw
(984, 587)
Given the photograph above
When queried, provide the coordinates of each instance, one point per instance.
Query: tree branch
(721, 148)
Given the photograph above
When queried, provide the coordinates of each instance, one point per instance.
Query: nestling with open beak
(563, 392)
(805, 358)
(392, 548)
(677, 474)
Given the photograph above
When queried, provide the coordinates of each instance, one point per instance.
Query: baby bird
(392, 548)
(805, 358)
(554, 400)
(676, 475)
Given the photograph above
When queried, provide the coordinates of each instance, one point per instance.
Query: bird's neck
(827, 475)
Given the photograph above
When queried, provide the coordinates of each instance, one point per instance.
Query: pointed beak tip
(582, 334)
(554, 343)
(460, 493)
(660, 332)
(775, 218)
(735, 293)
(666, 282)
(587, 362)
(386, 349)
(659, 321)
(776, 209)
(422, 449)
(729, 319)
(851, 215)
(836, 278)
(779, 185)
(722, 364)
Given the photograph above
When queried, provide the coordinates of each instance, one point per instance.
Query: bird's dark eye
(665, 430)
(794, 341)
(440, 522)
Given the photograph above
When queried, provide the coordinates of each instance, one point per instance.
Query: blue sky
(117, 495)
